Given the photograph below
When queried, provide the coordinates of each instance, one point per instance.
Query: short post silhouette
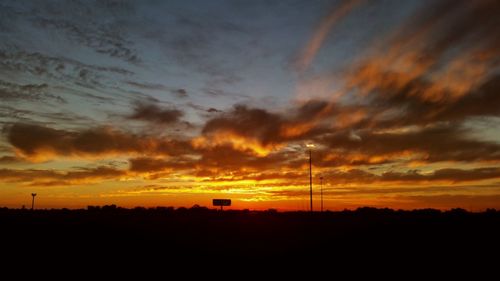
(33, 201)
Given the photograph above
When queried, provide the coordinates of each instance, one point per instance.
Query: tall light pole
(310, 146)
(321, 182)
(33, 201)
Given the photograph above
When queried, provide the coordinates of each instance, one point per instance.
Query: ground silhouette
(199, 233)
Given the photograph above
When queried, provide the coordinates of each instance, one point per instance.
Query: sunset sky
(173, 103)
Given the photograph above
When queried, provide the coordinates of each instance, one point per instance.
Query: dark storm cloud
(40, 141)
(404, 108)
(481, 102)
(485, 101)
(10, 160)
(268, 127)
(155, 114)
(435, 144)
(453, 175)
(54, 177)
(248, 122)
(413, 176)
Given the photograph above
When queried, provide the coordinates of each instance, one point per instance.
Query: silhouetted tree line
(362, 211)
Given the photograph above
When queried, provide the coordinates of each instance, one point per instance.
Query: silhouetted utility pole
(310, 146)
(310, 180)
(33, 201)
(321, 182)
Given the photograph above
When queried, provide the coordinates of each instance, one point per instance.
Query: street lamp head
(310, 145)
(33, 194)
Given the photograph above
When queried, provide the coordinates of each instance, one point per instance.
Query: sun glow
(237, 142)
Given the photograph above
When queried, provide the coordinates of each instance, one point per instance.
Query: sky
(174, 103)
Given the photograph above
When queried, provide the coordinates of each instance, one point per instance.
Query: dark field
(195, 234)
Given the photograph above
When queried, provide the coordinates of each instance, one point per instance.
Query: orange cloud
(438, 58)
(241, 143)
